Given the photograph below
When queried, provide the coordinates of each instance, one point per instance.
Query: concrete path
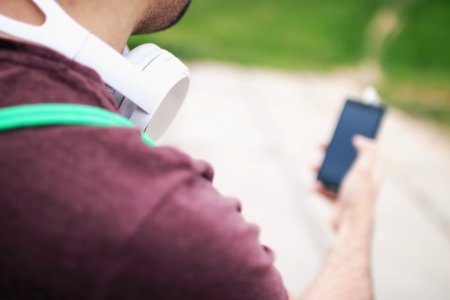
(260, 130)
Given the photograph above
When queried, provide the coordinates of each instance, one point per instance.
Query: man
(92, 213)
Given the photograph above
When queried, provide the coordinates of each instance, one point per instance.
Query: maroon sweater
(93, 213)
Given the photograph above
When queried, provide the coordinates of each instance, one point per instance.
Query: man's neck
(113, 21)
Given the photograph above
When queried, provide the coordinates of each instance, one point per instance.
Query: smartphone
(356, 118)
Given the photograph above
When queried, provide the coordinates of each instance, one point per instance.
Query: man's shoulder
(105, 158)
(107, 171)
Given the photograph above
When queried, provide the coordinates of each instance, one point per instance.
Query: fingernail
(357, 140)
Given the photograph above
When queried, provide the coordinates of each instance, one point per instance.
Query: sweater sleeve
(196, 245)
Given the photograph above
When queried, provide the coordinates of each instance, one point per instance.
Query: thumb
(367, 154)
(361, 142)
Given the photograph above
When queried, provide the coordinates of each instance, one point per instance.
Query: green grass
(423, 44)
(323, 35)
(293, 34)
(416, 61)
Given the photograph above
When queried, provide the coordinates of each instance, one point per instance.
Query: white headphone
(149, 85)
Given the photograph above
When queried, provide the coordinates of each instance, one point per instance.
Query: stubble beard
(160, 17)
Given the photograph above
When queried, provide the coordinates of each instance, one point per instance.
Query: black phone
(356, 118)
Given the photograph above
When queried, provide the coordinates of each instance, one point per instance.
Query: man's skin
(346, 272)
(111, 20)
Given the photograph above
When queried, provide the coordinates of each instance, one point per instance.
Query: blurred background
(407, 41)
(269, 79)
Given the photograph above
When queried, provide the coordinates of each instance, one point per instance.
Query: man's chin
(152, 24)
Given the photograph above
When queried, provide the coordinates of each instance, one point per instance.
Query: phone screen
(356, 118)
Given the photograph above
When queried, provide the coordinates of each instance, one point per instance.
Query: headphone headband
(57, 27)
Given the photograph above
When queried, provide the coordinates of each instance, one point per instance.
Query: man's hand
(360, 187)
(346, 272)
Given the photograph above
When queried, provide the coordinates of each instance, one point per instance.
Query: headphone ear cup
(143, 55)
(140, 56)
(172, 76)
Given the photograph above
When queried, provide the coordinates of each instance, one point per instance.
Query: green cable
(37, 115)
(55, 111)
